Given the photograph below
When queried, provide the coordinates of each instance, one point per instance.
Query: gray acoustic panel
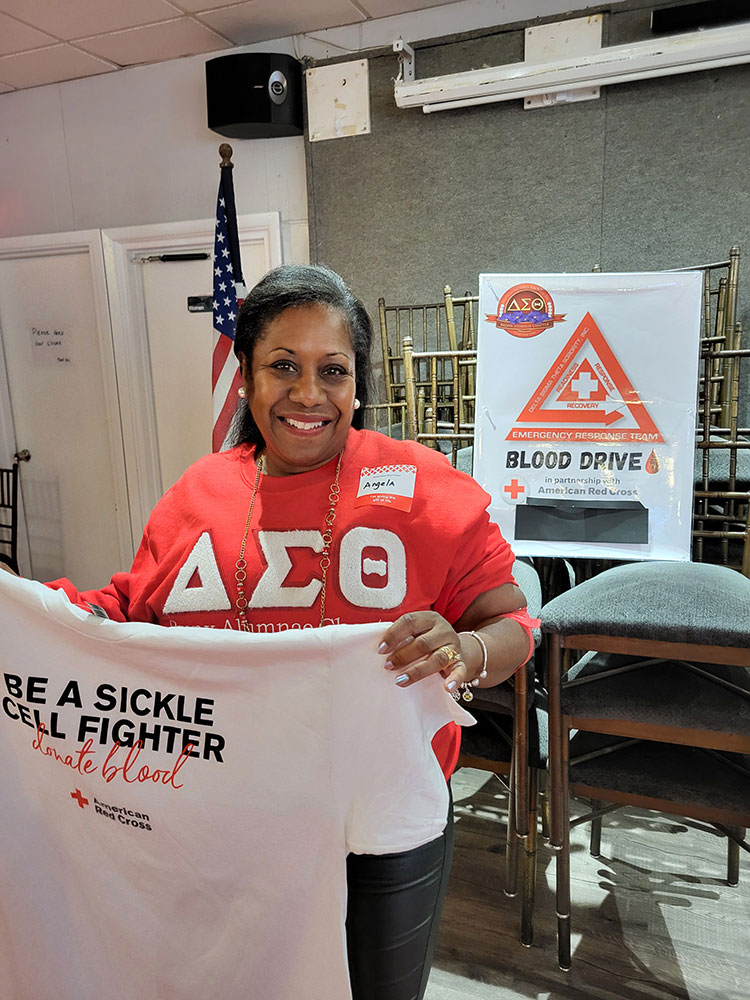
(676, 177)
(650, 176)
(432, 199)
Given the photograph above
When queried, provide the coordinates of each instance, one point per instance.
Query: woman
(309, 521)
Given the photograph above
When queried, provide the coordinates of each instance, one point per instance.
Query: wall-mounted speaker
(691, 16)
(254, 95)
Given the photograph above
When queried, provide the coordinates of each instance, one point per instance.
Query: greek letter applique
(211, 594)
(370, 554)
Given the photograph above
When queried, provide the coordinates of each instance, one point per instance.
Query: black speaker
(254, 95)
(706, 14)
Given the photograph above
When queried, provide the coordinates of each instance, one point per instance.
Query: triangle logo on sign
(585, 396)
(584, 384)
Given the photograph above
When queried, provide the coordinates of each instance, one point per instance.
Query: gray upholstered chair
(656, 713)
(506, 740)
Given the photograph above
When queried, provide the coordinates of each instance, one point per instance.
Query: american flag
(228, 293)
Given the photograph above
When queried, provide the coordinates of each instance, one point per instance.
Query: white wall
(132, 147)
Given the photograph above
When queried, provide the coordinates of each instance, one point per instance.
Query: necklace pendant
(241, 602)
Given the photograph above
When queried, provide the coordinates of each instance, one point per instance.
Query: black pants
(393, 914)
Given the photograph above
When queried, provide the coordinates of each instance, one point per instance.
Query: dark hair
(284, 288)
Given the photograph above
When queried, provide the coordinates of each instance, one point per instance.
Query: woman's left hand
(422, 643)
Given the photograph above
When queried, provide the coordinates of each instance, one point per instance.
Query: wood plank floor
(652, 918)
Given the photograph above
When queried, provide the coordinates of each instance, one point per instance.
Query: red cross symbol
(78, 796)
(514, 489)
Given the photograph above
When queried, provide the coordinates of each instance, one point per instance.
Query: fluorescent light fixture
(666, 56)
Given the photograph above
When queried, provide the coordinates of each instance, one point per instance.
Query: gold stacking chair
(466, 310)
(449, 325)
(388, 418)
(721, 516)
(722, 467)
(429, 329)
(719, 333)
(439, 411)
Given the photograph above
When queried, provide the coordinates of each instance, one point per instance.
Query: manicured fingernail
(388, 665)
(402, 679)
(405, 642)
(383, 647)
(450, 685)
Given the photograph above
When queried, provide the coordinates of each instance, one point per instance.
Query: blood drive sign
(586, 409)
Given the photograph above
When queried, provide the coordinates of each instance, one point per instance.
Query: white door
(163, 351)
(180, 349)
(62, 400)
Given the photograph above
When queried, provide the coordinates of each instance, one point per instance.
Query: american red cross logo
(78, 796)
(514, 488)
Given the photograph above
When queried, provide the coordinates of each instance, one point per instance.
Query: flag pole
(229, 290)
(227, 184)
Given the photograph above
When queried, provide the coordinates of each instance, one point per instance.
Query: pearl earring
(242, 392)
(357, 404)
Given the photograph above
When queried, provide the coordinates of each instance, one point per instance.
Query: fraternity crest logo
(525, 310)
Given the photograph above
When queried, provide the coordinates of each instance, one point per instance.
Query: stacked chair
(656, 711)
(722, 467)
(439, 412)
(640, 694)
(649, 663)
(429, 372)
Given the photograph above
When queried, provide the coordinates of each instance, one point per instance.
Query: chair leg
(563, 862)
(519, 773)
(529, 866)
(595, 842)
(559, 816)
(544, 803)
(555, 743)
(733, 855)
(511, 843)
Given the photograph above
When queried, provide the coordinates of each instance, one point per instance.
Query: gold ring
(451, 653)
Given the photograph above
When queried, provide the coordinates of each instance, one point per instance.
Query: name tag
(387, 486)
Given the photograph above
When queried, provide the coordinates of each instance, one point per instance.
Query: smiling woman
(308, 520)
(300, 388)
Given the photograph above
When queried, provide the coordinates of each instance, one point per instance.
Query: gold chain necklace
(240, 574)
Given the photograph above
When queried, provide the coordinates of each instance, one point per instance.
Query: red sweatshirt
(391, 552)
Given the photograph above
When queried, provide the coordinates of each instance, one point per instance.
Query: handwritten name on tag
(387, 486)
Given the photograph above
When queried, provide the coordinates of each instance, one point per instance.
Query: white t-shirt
(155, 875)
